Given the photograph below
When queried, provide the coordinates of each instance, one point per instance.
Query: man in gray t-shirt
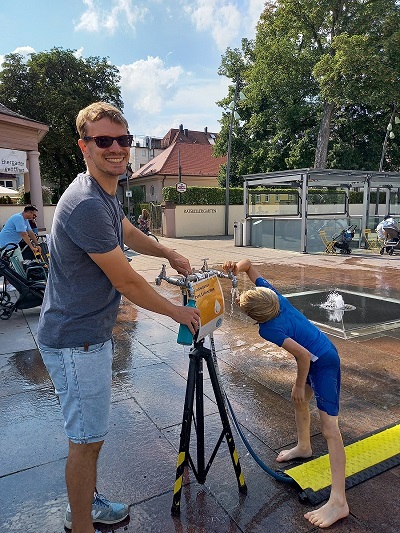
(88, 273)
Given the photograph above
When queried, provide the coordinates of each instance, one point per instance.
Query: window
(6, 183)
(152, 190)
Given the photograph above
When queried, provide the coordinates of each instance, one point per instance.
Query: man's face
(30, 215)
(110, 161)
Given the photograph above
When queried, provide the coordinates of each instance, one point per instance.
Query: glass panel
(262, 233)
(288, 234)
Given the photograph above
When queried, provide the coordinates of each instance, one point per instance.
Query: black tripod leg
(225, 422)
(185, 435)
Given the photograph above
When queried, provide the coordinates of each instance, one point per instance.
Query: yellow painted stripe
(235, 456)
(360, 455)
(178, 484)
(181, 458)
(241, 479)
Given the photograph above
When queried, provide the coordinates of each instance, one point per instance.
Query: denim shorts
(82, 381)
(324, 378)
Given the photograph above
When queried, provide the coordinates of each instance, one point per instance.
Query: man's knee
(91, 449)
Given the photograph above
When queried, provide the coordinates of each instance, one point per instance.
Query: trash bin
(238, 233)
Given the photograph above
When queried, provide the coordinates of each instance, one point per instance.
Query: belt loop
(86, 346)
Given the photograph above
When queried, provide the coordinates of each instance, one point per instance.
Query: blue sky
(168, 51)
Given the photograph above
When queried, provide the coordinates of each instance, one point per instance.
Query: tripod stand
(195, 387)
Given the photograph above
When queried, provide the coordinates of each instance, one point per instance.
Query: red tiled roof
(195, 160)
(188, 136)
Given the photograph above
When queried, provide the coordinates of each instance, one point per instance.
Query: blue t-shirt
(80, 304)
(290, 323)
(11, 232)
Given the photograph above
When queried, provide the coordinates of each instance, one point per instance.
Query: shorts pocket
(55, 364)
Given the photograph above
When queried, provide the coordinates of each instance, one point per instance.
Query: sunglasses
(104, 141)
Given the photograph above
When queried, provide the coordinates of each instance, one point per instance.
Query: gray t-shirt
(80, 305)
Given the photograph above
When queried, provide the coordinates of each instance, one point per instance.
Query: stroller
(30, 291)
(392, 241)
(342, 240)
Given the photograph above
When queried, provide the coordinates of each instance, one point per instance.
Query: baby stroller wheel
(390, 251)
(6, 311)
(4, 298)
(382, 251)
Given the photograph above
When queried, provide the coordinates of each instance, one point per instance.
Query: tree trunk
(321, 152)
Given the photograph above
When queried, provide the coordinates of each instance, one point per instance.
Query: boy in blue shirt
(318, 372)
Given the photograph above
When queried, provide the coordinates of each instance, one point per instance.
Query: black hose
(279, 476)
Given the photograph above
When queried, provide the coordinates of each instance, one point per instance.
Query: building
(19, 155)
(186, 156)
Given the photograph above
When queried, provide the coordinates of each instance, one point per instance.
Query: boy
(318, 372)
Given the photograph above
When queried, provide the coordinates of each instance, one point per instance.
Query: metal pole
(228, 162)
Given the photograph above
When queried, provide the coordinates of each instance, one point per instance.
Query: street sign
(128, 194)
(181, 187)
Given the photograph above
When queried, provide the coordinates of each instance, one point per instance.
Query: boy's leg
(80, 475)
(336, 507)
(302, 417)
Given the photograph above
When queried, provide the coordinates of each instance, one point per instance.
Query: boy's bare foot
(294, 453)
(328, 514)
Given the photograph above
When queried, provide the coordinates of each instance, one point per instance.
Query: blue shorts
(82, 381)
(324, 378)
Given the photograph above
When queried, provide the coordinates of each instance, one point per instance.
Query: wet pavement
(138, 460)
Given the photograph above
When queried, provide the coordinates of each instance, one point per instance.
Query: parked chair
(327, 242)
(372, 243)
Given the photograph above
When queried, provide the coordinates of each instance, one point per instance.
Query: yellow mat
(360, 455)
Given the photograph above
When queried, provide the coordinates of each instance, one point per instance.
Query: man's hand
(190, 316)
(179, 263)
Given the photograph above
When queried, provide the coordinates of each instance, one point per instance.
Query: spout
(162, 275)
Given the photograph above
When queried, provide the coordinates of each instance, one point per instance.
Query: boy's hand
(230, 266)
(298, 394)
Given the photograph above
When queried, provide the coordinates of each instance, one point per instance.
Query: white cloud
(95, 18)
(148, 83)
(222, 19)
(158, 98)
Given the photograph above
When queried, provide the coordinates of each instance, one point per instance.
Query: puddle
(348, 314)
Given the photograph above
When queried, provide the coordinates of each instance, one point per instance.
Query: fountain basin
(362, 313)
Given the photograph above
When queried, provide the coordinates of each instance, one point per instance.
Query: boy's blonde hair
(260, 304)
(97, 111)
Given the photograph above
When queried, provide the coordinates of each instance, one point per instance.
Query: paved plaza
(138, 461)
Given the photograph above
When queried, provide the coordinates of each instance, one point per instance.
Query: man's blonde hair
(260, 304)
(97, 111)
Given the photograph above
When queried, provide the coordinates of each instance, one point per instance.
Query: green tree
(51, 87)
(320, 81)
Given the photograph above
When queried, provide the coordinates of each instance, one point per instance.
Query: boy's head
(260, 304)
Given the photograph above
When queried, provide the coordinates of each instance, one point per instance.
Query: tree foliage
(320, 80)
(51, 87)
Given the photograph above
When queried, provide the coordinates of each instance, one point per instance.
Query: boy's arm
(303, 358)
(242, 266)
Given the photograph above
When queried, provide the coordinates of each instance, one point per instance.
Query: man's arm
(141, 243)
(134, 287)
(33, 237)
(242, 266)
(303, 358)
(27, 240)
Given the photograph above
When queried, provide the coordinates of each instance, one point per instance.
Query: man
(88, 273)
(388, 223)
(17, 228)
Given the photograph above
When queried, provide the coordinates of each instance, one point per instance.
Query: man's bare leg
(302, 417)
(336, 507)
(80, 475)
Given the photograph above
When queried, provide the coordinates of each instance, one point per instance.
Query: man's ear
(83, 146)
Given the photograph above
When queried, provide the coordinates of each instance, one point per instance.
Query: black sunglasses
(104, 141)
